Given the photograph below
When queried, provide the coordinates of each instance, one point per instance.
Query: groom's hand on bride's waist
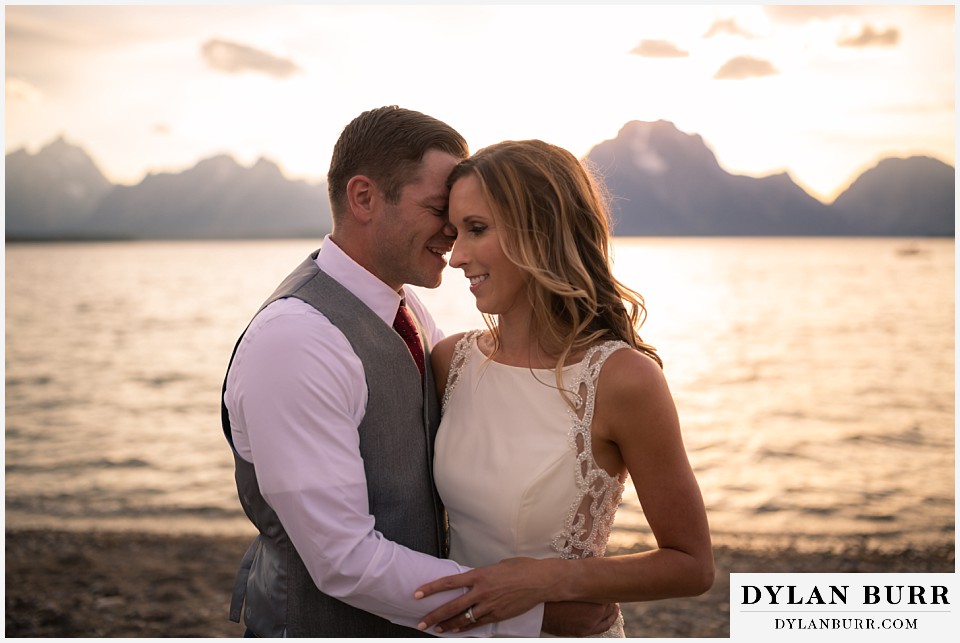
(510, 588)
(578, 619)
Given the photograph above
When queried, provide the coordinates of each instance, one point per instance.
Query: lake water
(814, 380)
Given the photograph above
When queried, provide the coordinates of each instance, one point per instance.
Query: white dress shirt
(295, 395)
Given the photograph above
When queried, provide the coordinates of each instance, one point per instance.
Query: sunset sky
(822, 92)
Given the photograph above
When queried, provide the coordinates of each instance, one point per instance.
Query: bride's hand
(494, 593)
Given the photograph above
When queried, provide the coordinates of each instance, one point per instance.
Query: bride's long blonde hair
(554, 223)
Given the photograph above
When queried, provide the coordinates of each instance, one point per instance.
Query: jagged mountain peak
(56, 188)
(223, 167)
(59, 143)
(902, 196)
(219, 163)
(662, 130)
(267, 168)
(658, 147)
(890, 173)
(59, 154)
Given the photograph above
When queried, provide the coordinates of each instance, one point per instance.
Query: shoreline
(622, 538)
(69, 583)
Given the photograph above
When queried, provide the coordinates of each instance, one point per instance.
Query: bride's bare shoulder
(445, 347)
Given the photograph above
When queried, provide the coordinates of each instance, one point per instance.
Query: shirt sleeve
(298, 393)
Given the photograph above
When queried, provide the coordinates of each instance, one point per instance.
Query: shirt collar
(376, 295)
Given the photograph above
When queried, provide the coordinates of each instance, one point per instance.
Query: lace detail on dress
(590, 517)
(616, 630)
(460, 353)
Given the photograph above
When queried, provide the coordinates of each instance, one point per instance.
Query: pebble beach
(62, 583)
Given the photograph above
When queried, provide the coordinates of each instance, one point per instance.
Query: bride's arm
(636, 426)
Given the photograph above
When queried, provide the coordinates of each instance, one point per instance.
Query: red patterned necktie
(407, 329)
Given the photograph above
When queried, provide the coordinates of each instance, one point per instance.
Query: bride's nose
(457, 257)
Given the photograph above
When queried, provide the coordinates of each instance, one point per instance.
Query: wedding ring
(470, 615)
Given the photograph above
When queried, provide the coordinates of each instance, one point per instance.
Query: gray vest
(396, 443)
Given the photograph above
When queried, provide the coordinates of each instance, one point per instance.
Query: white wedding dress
(514, 464)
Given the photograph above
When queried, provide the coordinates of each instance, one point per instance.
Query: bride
(548, 411)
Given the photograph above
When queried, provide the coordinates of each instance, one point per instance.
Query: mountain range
(661, 182)
(58, 193)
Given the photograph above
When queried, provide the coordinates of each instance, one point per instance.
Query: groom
(330, 408)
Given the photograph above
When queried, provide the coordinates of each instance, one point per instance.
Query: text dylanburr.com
(844, 607)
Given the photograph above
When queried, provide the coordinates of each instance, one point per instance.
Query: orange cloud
(232, 58)
(728, 26)
(18, 90)
(869, 37)
(658, 49)
(743, 67)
